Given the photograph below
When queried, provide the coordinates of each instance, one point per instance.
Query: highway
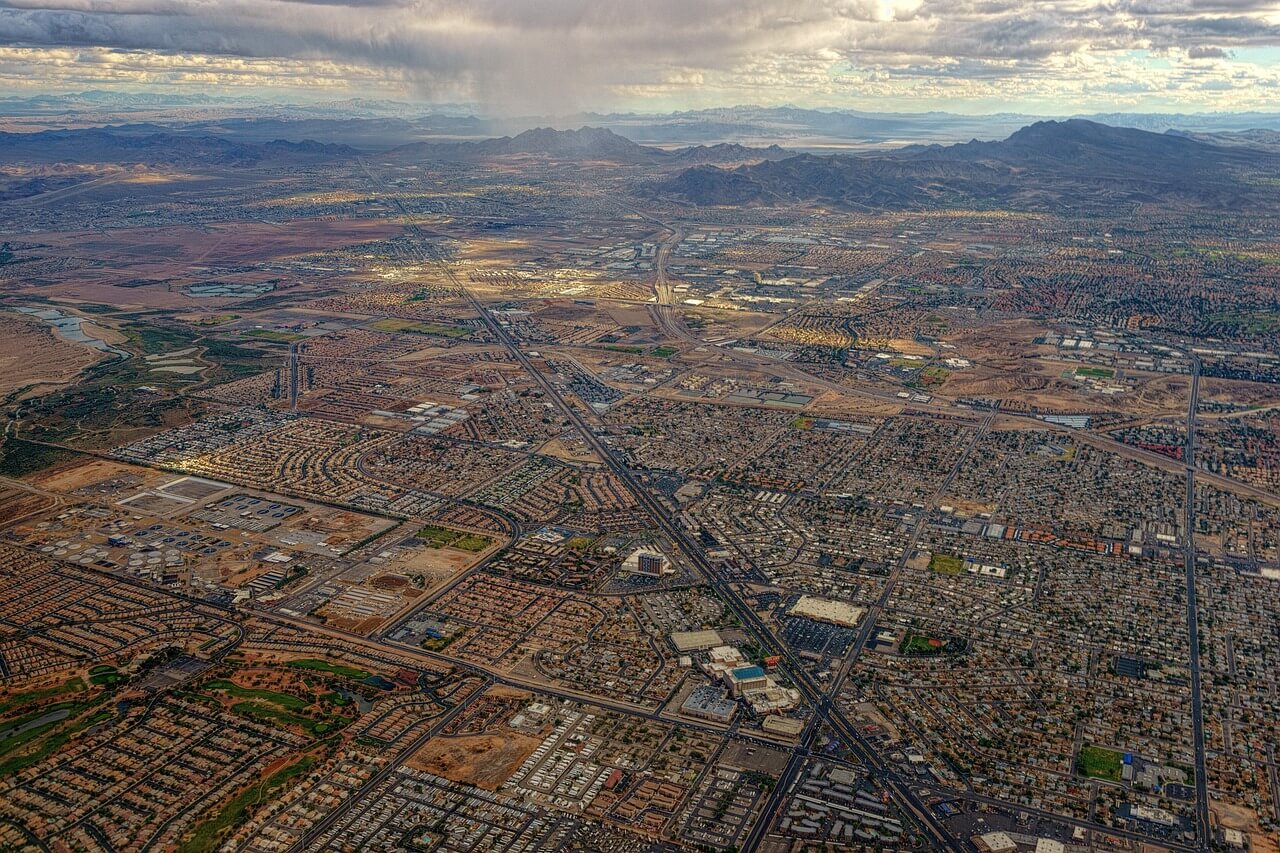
(1193, 620)
(795, 669)
(869, 620)
(293, 376)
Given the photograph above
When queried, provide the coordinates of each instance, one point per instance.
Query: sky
(525, 57)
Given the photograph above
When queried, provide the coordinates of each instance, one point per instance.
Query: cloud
(1205, 52)
(520, 56)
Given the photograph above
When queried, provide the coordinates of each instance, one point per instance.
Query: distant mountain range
(797, 127)
(102, 146)
(152, 145)
(1049, 165)
(384, 124)
(586, 143)
(1257, 138)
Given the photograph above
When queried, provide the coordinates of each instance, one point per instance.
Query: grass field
(332, 668)
(273, 335)
(437, 537)
(215, 319)
(391, 324)
(1097, 762)
(1250, 322)
(1096, 372)
(209, 832)
(256, 710)
(920, 644)
(105, 675)
(17, 700)
(284, 700)
(59, 733)
(471, 542)
(946, 564)
(663, 352)
(446, 537)
(10, 741)
(154, 338)
(222, 350)
(934, 375)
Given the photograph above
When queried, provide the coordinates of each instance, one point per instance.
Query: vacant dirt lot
(485, 761)
(1238, 817)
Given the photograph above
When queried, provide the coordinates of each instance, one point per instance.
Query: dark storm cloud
(515, 50)
(705, 33)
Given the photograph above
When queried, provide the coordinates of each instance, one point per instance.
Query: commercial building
(994, 842)
(826, 610)
(1149, 814)
(648, 563)
(749, 682)
(746, 678)
(708, 703)
(783, 726)
(695, 641)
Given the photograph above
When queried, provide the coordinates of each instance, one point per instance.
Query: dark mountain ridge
(1044, 166)
(585, 143)
(96, 145)
(153, 144)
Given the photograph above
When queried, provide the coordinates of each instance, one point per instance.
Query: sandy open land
(152, 268)
(1243, 819)
(32, 355)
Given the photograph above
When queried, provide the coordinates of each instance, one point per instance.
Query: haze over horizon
(511, 58)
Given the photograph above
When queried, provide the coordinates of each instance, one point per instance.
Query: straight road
(1193, 620)
(799, 676)
(869, 620)
(293, 376)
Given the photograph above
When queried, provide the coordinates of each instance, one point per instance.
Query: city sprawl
(523, 503)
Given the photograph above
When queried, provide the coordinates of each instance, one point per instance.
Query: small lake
(70, 328)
